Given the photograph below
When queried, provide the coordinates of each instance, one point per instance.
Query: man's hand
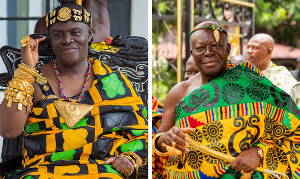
(248, 161)
(177, 135)
(119, 163)
(30, 55)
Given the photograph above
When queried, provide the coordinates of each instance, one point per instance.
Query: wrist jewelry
(260, 152)
(29, 69)
(136, 160)
(155, 150)
(20, 88)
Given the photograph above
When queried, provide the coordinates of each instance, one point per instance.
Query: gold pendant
(217, 35)
(72, 113)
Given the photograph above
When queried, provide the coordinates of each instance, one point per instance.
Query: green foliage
(280, 19)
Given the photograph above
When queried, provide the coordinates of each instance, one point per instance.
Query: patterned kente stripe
(233, 111)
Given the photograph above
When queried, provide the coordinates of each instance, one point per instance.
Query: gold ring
(242, 172)
(25, 41)
(126, 171)
(173, 144)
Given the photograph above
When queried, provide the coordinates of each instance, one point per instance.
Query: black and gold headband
(65, 14)
(216, 31)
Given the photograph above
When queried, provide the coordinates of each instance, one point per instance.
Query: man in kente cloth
(236, 111)
(85, 121)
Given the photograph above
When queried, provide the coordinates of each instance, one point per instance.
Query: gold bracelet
(155, 150)
(138, 160)
(24, 75)
(21, 85)
(14, 95)
(29, 69)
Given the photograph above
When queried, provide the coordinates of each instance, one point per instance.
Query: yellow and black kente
(233, 112)
(116, 124)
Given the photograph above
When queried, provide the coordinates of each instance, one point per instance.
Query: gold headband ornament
(65, 14)
(216, 31)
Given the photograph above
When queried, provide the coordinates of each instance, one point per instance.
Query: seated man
(85, 120)
(259, 52)
(190, 69)
(235, 111)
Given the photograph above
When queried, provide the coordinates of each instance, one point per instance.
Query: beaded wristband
(155, 150)
(29, 69)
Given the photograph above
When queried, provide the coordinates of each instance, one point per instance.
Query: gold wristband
(14, 95)
(21, 85)
(155, 150)
(29, 69)
(24, 75)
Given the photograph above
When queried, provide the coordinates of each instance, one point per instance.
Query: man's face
(70, 41)
(257, 52)
(191, 69)
(209, 56)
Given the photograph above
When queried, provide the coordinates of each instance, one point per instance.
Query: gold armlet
(155, 150)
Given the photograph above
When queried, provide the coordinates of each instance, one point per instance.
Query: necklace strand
(84, 86)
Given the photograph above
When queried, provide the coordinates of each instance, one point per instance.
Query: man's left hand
(248, 160)
(120, 163)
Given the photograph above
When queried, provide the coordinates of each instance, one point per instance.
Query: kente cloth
(280, 76)
(233, 112)
(158, 163)
(115, 125)
(103, 47)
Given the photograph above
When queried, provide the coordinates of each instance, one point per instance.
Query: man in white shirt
(259, 51)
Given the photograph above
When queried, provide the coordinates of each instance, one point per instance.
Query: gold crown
(65, 14)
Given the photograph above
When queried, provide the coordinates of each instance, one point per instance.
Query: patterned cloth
(158, 163)
(237, 110)
(280, 76)
(115, 125)
(103, 47)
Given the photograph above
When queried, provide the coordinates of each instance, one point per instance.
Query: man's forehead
(68, 25)
(205, 35)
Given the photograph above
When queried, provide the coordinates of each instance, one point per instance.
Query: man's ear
(90, 33)
(228, 48)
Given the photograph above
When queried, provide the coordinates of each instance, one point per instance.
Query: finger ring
(25, 41)
(242, 172)
(126, 171)
(173, 144)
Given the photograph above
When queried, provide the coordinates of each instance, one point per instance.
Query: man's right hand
(177, 135)
(30, 55)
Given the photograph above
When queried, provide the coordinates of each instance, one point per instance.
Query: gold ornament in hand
(25, 41)
(172, 150)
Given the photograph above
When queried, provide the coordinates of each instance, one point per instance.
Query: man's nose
(249, 50)
(68, 39)
(208, 51)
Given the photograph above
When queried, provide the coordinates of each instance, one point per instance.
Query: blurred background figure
(237, 59)
(295, 94)
(296, 73)
(259, 52)
(190, 69)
